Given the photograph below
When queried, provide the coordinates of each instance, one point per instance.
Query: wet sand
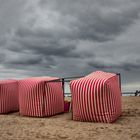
(59, 127)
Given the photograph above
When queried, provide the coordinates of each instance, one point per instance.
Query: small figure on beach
(137, 92)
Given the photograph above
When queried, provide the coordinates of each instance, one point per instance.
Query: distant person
(136, 93)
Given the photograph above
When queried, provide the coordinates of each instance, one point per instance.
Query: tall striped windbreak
(40, 97)
(8, 96)
(96, 97)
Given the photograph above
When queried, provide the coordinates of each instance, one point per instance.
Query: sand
(59, 127)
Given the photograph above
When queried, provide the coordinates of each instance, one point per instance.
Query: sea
(123, 94)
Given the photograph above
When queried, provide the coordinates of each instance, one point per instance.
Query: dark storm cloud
(130, 67)
(44, 42)
(2, 57)
(96, 20)
(26, 60)
(126, 66)
(90, 20)
(98, 65)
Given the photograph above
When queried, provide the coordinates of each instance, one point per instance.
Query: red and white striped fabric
(96, 97)
(8, 96)
(39, 97)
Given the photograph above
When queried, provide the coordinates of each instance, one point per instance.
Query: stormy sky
(69, 38)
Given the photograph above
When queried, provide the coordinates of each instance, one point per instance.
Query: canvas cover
(8, 96)
(96, 97)
(39, 97)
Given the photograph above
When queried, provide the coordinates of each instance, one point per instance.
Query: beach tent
(8, 96)
(40, 97)
(96, 97)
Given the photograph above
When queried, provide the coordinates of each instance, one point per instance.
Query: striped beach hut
(39, 97)
(8, 96)
(96, 97)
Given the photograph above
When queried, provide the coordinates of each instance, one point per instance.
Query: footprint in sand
(62, 136)
(136, 136)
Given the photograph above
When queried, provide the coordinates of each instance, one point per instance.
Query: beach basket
(39, 97)
(8, 96)
(96, 97)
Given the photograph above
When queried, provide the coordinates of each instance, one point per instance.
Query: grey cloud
(125, 66)
(2, 42)
(25, 60)
(96, 20)
(130, 66)
(11, 13)
(43, 42)
(96, 65)
(2, 57)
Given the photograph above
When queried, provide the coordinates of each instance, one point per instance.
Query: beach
(16, 127)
